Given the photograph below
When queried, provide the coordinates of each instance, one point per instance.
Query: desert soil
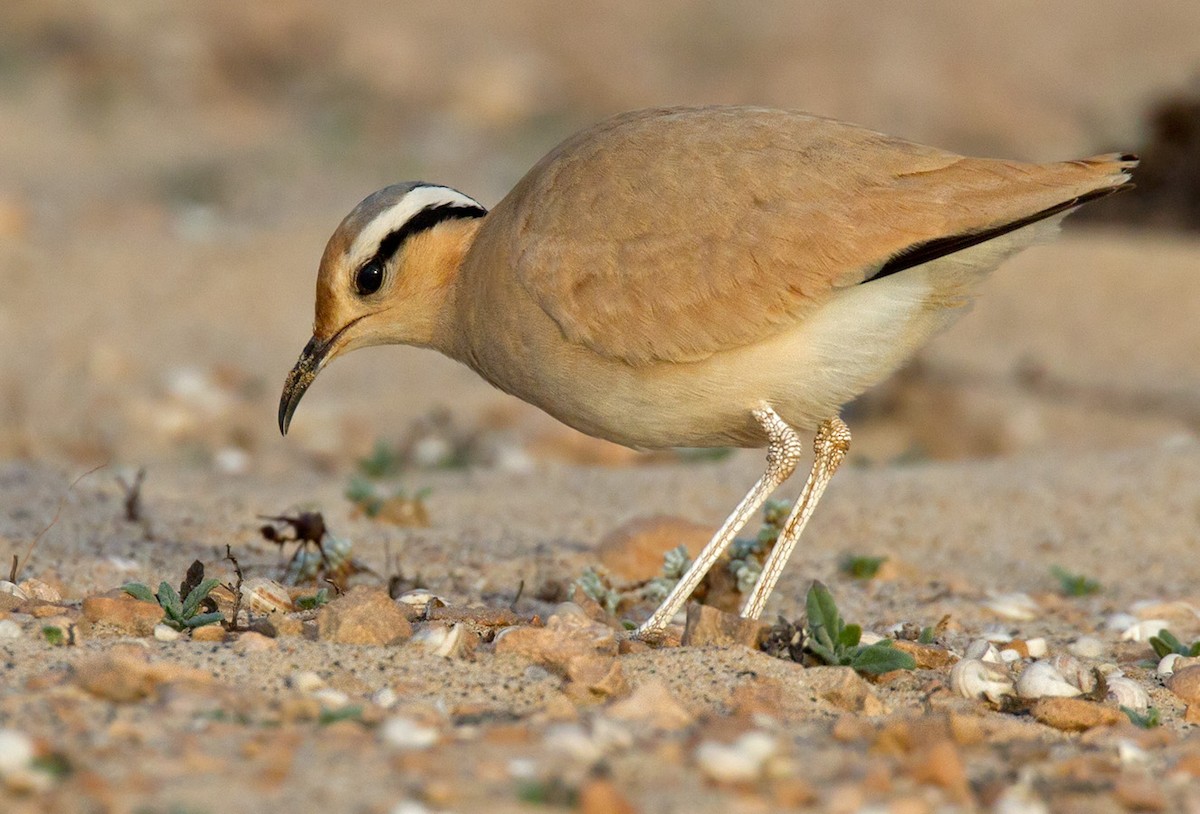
(172, 176)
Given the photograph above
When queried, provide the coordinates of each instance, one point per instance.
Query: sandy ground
(169, 182)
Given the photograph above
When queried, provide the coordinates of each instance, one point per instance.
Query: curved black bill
(298, 380)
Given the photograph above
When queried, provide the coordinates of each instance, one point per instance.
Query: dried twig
(235, 589)
(133, 496)
(19, 564)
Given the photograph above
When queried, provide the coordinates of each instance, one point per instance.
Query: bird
(694, 277)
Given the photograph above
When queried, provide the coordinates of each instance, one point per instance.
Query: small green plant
(54, 635)
(1165, 644)
(675, 564)
(182, 609)
(1149, 720)
(861, 567)
(1074, 584)
(313, 602)
(928, 635)
(596, 587)
(351, 712)
(837, 643)
(383, 462)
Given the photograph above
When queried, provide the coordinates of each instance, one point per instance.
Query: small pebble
(737, 762)
(16, 751)
(306, 681)
(1185, 684)
(385, 698)
(9, 629)
(1144, 631)
(166, 633)
(1087, 647)
(331, 698)
(1018, 606)
(405, 733)
(1120, 621)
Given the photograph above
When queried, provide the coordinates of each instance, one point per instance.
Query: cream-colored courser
(694, 277)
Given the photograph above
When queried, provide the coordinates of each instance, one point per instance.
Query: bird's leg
(830, 447)
(783, 453)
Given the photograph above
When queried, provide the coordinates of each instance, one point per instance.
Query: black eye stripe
(427, 218)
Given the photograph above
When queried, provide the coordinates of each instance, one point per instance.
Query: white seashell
(1144, 631)
(1037, 647)
(1087, 647)
(1014, 606)
(401, 732)
(972, 678)
(738, 762)
(1043, 680)
(444, 640)
(166, 633)
(1120, 621)
(9, 629)
(7, 587)
(1130, 753)
(1128, 693)
(263, 595)
(1166, 666)
(983, 650)
(421, 599)
(1074, 671)
(997, 634)
(1009, 656)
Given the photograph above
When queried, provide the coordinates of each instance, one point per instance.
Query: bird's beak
(312, 359)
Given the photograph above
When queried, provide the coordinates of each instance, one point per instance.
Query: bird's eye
(369, 278)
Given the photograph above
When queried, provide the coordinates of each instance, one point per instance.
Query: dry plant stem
(830, 446)
(783, 453)
(16, 567)
(235, 589)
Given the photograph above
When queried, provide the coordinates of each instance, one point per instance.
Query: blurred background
(171, 172)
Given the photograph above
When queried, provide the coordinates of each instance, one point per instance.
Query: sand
(161, 214)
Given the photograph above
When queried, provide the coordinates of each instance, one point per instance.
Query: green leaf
(139, 591)
(850, 636)
(1074, 584)
(927, 635)
(204, 619)
(824, 622)
(880, 658)
(1151, 719)
(198, 595)
(1165, 643)
(54, 635)
(860, 567)
(1194, 650)
(351, 712)
(168, 597)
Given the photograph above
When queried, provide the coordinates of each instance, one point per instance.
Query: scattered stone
(565, 638)
(652, 705)
(596, 678)
(1086, 647)
(12, 589)
(166, 633)
(251, 642)
(1185, 684)
(363, 616)
(125, 675)
(1138, 792)
(36, 589)
(1017, 606)
(287, 626)
(1075, 714)
(306, 681)
(600, 795)
(739, 762)
(927, 656)
(401, 732)
(635, 550)
(846, 690)
(941, 764)
(16, 752)
(709, 626)
(266, 596)
(208, 633)
(9, 629)
(121, 616)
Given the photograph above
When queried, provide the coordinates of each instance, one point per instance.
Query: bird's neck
(447, 265)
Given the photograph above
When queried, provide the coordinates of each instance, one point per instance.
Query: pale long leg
(830, 447)
(784, 449)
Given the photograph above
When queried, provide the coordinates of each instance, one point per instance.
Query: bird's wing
(674, 234)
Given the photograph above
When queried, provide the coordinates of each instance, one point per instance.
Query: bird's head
(384, 276)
